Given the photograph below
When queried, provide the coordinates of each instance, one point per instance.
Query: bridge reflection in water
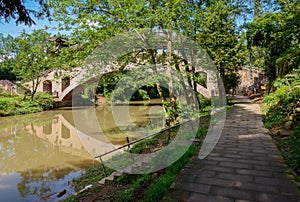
(40, 153)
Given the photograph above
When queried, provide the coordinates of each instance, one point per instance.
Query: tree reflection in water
(44, 159)
(42, 152)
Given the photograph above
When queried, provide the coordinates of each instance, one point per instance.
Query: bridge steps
(143, 162)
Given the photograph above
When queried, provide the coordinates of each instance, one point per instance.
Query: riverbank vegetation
(11, 104)
(132, 187)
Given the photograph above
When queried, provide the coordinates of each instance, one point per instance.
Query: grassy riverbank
(142, 187)
(16, 104)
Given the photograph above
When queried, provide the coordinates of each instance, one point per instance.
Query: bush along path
(245, 165)
(282, 116)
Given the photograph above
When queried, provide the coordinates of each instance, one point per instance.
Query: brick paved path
(244, 166)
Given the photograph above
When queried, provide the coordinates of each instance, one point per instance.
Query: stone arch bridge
(62, 84)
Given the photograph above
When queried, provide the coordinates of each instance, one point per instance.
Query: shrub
(13, 105)
(44, 100)
(279, 104)
(4, 103)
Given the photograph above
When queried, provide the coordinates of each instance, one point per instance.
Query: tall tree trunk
(35, 84)
(169, 61)
(157, 85)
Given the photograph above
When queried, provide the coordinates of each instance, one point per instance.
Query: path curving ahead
(244, 166)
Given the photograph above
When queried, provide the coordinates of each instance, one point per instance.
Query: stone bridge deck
(244, 166)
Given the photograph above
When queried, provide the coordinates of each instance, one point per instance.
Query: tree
(278, 34)
(217, 34)
(33, 57)
(96, 21)
(16, 9)
(6, 58)
(211, 23)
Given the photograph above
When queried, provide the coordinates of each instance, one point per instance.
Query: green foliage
(170, 112)
(230, 81)
(229, 101)
(279, 104)
(144, 145)
(204, 102)
(275, 118)
(275, 98)
(6, 57)
(204, 106)
(157, 189)
(143, 94)
(291, 79)
(13, 105)
(6, 102)
(159, 186)
(201, 133)
(33, 57)
(211, 24)
(218, 36)
(44, 100)
(135, 181)
(277, 35)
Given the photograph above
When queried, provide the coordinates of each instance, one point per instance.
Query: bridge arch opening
(47, 87)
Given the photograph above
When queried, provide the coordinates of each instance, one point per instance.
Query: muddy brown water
(41, 153)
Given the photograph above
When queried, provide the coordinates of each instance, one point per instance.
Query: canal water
(41, 153)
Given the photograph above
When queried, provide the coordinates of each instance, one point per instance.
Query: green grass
(136, 181)
(158, 188)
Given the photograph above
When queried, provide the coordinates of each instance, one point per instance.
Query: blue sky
(15, 30)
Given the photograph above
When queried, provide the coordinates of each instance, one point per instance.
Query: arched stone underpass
(81, 80)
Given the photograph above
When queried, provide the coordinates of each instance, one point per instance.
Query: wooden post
(127, 139)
